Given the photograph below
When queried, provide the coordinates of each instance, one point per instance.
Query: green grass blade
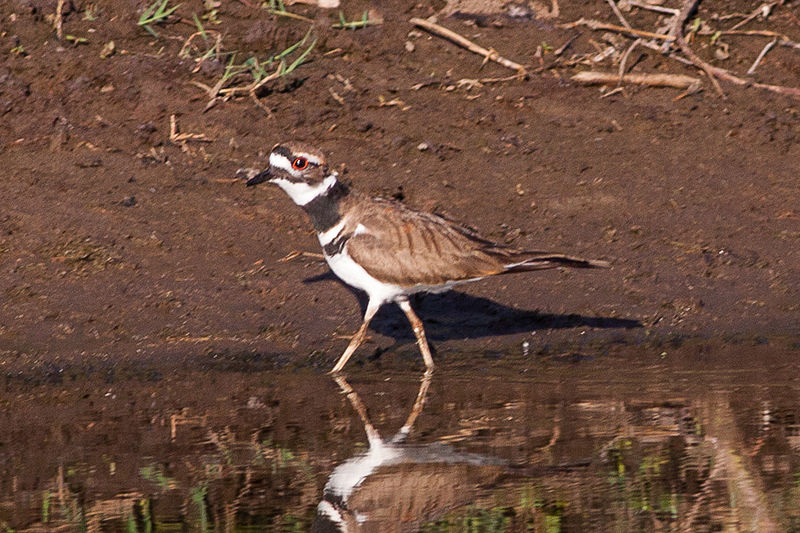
(293, 47)
(150, 30)
(300, 59)
(200, 27)
(168, 12)
(145, 18)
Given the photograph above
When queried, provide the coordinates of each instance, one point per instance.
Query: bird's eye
(300, 163)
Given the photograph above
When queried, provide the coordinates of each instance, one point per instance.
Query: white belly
(351, 273)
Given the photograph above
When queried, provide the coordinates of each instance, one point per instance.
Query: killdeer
(387, 249)
(395, 485)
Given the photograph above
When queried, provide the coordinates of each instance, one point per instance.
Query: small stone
(129, 201)
(424, 146)
(363, 126)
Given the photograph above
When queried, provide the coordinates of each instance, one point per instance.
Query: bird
(396, 485)
(389, 250)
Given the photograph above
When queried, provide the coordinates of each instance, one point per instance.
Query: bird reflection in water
(395, 486)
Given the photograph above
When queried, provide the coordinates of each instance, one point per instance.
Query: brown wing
(408, 247)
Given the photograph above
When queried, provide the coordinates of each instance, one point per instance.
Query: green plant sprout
(259, 70)
(155, 14)
(212, 41)
(76, 40)
(277, 7)
(90, 13)
(212, 11)
(297, 62)
(355, 24)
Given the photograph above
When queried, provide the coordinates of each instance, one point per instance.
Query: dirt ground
(120, 244)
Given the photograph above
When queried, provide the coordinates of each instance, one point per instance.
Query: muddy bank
(118, 243)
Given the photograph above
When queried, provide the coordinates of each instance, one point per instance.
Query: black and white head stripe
(294, 164)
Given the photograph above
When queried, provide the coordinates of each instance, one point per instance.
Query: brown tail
(542, 261)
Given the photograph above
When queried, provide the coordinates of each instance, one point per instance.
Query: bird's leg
(372, 434)
(358, 338)
(419, 403)
(419, 332)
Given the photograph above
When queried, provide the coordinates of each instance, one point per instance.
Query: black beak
(258, 178)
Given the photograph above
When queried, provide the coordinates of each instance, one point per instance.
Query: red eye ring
(300, 163)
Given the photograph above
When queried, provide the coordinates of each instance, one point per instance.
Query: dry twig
(618, 13)
(679, 81)
(653, 7)
(176, 137)
(783, 40)
(560, 50)
(599, 25)
(489, 55)
(764, 51)
(763, 10)
(59, 20)
(676, 27)
(473, 83)
(300, 253)
(624, 61)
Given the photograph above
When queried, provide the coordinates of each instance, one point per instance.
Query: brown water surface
(698, 438)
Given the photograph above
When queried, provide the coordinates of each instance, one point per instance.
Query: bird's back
(406, 247)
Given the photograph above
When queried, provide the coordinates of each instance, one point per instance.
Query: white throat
(302, 193)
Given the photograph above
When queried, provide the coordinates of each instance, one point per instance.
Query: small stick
(614, 91)
(598, 25)
(688, 8)
(676, 27)
(564, 46)
(763, 9)
(659, 9)
(756, 33)
(294, 254)
(256, 86)
(478, 82)
(789, 44)
(679, 81)
(671, 55)
(764, 51)
(711, 71)
(176, 137)
(59, 21)
(617, 12)
(623, 62)
(783, 40)
(489, 55)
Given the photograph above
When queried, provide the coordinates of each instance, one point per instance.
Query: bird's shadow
(457, 315)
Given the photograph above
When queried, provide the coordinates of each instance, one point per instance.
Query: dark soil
(119, 245)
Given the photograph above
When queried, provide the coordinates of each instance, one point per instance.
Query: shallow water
(586, 445)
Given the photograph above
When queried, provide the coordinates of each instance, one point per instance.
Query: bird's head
(299, 170)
